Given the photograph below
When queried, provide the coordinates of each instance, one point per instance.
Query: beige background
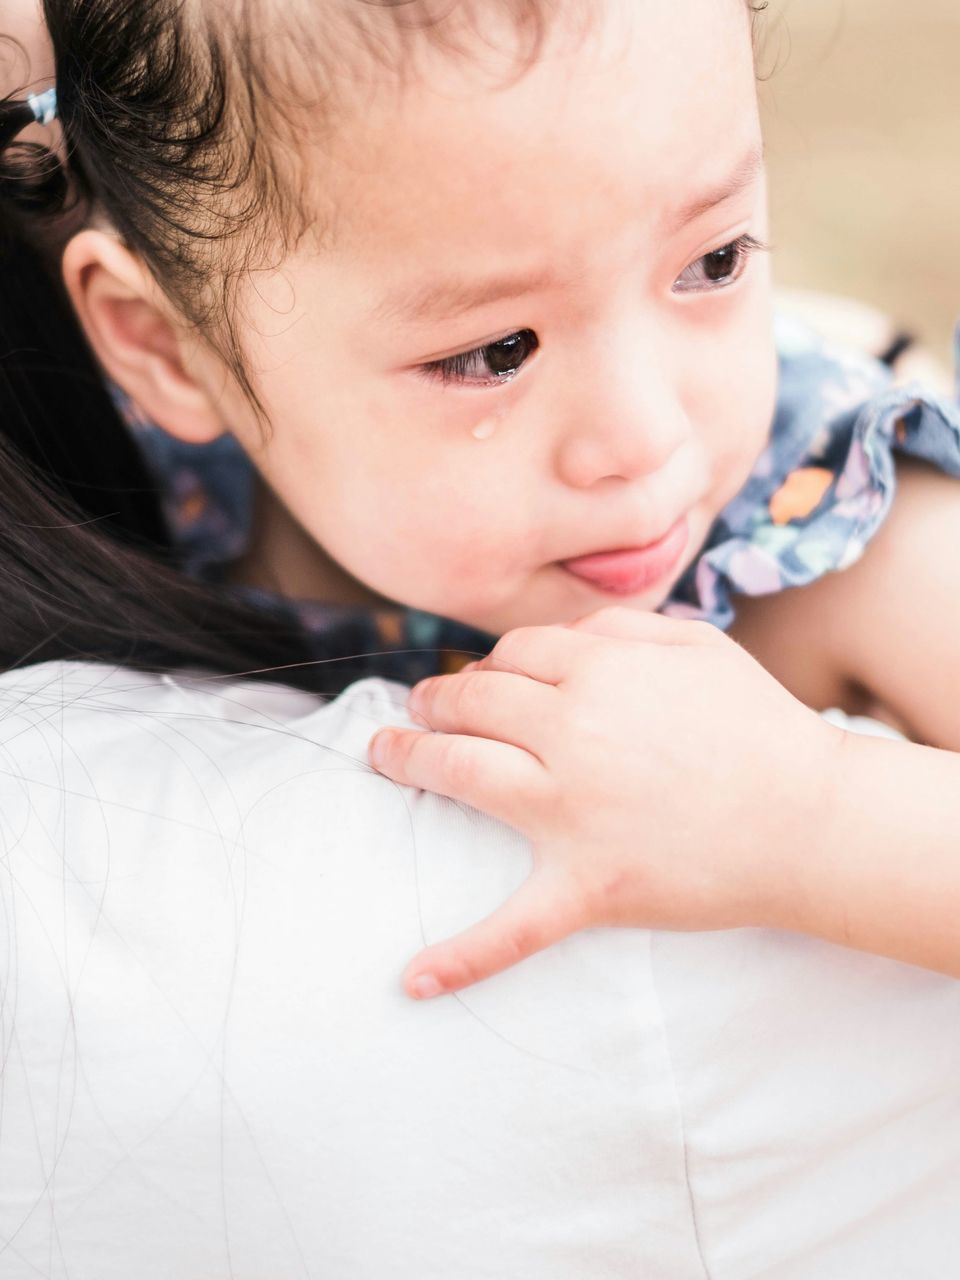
(862, 117)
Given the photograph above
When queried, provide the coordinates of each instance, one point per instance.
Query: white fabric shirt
(210, 1071)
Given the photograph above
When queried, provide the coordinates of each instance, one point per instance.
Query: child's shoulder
(881, 637)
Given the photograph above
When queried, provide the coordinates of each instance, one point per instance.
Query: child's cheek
(735, 403)
(428, 535)
(468, 551)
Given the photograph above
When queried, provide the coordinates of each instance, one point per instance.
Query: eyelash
(458, 368)
(743, 248)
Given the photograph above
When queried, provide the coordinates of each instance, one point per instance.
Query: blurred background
(862, 115)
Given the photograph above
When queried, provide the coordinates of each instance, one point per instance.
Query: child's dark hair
(180, 124)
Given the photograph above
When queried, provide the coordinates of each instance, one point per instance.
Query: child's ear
(130, 328)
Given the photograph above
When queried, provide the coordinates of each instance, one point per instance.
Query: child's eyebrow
(742, 176)
(452, 297)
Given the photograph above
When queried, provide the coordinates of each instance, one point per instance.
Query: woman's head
(366, 192)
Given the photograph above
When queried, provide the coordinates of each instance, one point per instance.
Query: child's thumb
(535, 917)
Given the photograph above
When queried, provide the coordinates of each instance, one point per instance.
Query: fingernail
(425, 987)
(418, 692)
(377, 750)
(415, 700)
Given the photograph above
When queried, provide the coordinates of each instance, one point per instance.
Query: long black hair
(87, 571)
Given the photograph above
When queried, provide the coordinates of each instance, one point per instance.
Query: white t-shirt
(210, 1071)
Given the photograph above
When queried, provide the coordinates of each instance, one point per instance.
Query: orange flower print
(801, 493)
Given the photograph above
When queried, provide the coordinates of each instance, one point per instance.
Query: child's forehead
(651, 110)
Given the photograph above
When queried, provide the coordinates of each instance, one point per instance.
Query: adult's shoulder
(124, 729)
(209, 899)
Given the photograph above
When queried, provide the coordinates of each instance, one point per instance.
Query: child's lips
(631, 570)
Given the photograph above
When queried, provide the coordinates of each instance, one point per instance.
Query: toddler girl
(482, 294)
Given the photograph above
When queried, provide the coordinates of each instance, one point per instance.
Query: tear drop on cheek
(485, 429)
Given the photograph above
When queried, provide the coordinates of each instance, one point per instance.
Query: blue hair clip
(44, 106)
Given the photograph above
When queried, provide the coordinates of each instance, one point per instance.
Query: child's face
(575, 225)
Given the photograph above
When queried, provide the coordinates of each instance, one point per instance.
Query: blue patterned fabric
(815, 498)
(838, 414)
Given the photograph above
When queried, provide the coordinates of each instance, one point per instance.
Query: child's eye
(720, 268)
(489, 365)
(499, 361)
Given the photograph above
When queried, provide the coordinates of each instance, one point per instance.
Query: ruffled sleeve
(826, 481)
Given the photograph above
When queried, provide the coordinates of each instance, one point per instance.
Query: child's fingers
(540, 653)
(487, 704)
(549, 654)
(633, 624)
(502, 780)
(537, 915)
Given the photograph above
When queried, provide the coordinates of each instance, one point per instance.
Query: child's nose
(622, 426)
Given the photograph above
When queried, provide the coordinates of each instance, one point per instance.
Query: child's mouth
(631, 570)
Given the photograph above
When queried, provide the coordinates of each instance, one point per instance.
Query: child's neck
(283, 559)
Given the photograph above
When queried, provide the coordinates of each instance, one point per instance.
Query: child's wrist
(805, 880)
(842, 884)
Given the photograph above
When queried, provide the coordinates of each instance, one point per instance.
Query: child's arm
(892, 622)
(667, 780)
(884, 875)
(884, 633)
(896, 624)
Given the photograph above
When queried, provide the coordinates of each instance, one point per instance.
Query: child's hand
(663, 777)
